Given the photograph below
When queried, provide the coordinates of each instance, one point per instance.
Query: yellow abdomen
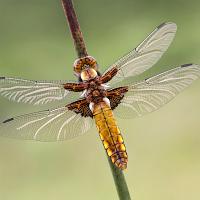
(110, 134)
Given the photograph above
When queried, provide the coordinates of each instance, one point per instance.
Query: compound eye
(78, 66)
(91, 62)
(95, 65)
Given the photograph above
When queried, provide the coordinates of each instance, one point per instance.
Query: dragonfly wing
(32, 92)
(154, 92)
(146, 54)
(48, 125)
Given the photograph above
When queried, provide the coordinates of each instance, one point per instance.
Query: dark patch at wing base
(82, 107)
(116, 95)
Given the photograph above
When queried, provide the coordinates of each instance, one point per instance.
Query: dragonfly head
(84, 63)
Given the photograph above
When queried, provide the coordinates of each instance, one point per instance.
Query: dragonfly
(99, 96)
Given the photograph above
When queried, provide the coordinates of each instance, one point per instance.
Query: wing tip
(187, 65)
(167, 23)
(1, 78)
(8, 120)
(161, 25)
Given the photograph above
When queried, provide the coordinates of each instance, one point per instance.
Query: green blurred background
(163, 147)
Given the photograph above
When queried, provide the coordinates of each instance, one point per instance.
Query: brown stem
(75, 28)
(118, 175)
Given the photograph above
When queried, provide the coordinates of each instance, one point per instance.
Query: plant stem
(118, 176)
(120, 182)
(75, 28)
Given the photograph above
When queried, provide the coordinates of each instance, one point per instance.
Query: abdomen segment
(110, 134)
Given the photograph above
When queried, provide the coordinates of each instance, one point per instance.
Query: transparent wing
(49, 125)
(154, 92)
(146, 54)
(32, 92)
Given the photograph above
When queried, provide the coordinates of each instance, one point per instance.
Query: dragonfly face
(88, 74)
(96, 102)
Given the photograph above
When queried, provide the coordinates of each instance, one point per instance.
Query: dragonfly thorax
(95, 92)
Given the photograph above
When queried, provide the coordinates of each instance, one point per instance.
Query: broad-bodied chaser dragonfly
(100, 95)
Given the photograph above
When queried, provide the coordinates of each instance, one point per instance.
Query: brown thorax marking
(95, 91)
